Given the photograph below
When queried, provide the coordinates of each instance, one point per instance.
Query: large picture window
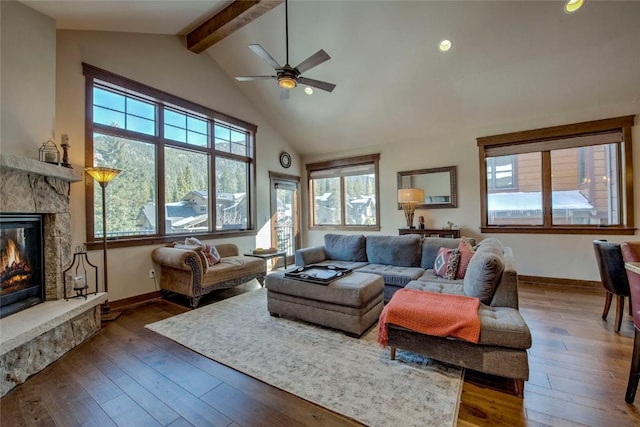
(566, 179)
(344, 193)
(186, 169)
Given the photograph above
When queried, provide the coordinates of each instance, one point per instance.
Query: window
(186, 169)
(566, 179)
(344, 193)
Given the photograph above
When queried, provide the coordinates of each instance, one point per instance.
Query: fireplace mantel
(31, 166)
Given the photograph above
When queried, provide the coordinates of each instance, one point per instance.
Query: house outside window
(566, 179)
(186, 169)
(344, 193)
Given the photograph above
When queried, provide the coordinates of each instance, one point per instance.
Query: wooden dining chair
(631, 252)
(613, 276)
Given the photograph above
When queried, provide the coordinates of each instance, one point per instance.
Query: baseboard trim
(561, 283)
(131, 302)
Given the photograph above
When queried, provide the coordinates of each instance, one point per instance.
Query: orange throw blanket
(430, 313)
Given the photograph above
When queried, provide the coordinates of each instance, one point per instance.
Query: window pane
(108, 99)
(141, 109)
(232, 209)
(108, 117)
(131, 196)
(522, 204)
(138, 124)
(360, 199)
(186, 191)
(175, 119)
(326, 192)
(184, 128)
(177, 134)
(584, 182)
(231, 140)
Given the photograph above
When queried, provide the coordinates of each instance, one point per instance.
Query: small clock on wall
(285, 159)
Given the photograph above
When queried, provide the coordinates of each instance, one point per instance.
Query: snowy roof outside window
(532, 201)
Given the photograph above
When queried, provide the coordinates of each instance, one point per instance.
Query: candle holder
(65, 151)
(78, 276)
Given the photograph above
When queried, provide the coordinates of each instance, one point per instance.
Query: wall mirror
(439, 185)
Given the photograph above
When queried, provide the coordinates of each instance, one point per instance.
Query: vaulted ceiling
(510, 61)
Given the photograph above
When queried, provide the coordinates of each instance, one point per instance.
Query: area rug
(353, 377)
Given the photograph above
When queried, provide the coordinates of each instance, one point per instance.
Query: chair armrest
(227, 249)
(180, 259)
(311, 255)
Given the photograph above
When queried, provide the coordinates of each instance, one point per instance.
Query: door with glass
(285, 223)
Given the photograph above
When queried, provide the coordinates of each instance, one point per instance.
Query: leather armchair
(613, 276)
(631, 252)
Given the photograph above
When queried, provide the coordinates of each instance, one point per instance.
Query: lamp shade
(410, 195)
(102, 175)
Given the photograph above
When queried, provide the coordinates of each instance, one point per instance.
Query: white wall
(43, 86)
(27, 75)
(545, 255)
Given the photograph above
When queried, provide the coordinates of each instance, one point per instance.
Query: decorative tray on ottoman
(321, 274)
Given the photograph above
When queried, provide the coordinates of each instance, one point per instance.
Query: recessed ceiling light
(572, 5)
(444, 45)
(308, 90)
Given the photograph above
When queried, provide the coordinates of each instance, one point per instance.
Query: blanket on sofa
(431, 313)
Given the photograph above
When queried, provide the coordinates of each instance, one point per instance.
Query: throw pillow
(483, 275)
(446, 263)
(466, 253)
(194, 242)
(213, 257)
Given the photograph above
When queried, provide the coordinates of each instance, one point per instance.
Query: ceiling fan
(287, 76)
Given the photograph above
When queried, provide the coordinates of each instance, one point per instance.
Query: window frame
(161, 100)
(371, 159)
(513, 140)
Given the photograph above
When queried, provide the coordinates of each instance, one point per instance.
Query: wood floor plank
(125, 411)
(177, 398)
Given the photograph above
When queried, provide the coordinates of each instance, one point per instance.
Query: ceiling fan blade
(317, 83)
(248, 78)
(316, 59)
(284, 94)
(259, 50)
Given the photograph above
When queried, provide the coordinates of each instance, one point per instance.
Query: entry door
(285, 215)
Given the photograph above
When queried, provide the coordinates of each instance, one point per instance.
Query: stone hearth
(33, 338)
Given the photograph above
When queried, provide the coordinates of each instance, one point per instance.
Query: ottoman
(351, 304)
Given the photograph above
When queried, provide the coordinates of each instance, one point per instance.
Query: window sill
(559, 230)
(346, 227)
(158, 240)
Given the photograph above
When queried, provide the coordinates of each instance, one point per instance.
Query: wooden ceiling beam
(231, 18)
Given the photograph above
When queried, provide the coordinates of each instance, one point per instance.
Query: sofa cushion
(345, 247)
(430, 247)
(393, 275)
(504, 327)
(401, 251)
(483, 275)
(491, 244)
(433, 283)
(446, 263)
(466, 252)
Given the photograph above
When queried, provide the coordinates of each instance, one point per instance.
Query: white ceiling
(511, 61)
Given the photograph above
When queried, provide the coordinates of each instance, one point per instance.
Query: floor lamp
(104, 176)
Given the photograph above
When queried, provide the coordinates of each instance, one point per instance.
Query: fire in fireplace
(21, 262)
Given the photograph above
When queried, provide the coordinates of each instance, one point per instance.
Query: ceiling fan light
(287, 82)
(572, 6)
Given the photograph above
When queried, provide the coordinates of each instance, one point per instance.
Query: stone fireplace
(35, 337)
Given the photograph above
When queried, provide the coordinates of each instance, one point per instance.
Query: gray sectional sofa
(407, 261)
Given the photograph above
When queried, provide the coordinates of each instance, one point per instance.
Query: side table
(435, 232)
(268, 256)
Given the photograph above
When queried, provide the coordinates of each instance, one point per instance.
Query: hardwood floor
(126, 375)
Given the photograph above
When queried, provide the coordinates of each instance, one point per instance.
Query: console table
(431, 232)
